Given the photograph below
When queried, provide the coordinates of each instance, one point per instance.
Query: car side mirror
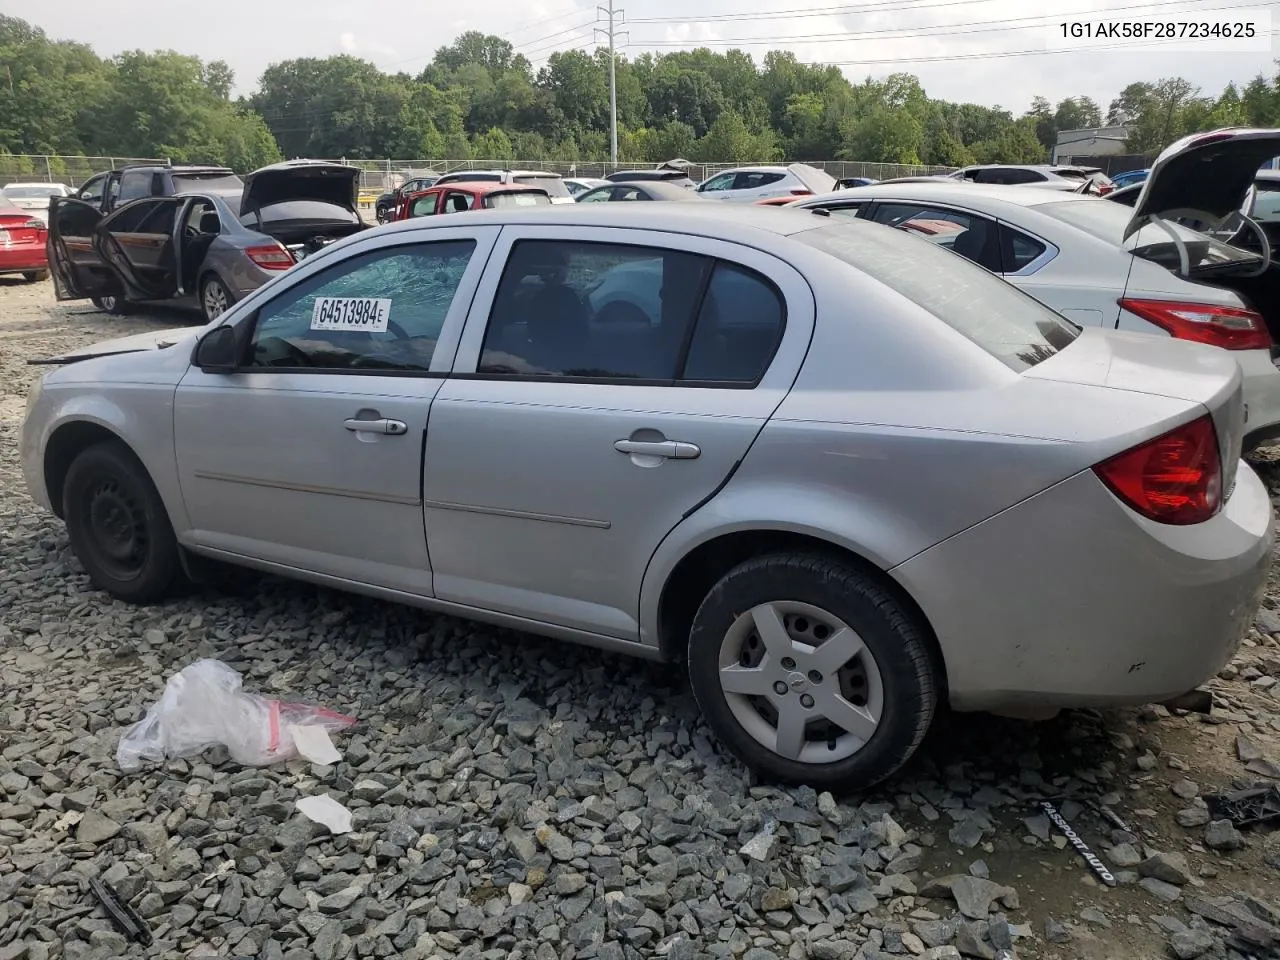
(217, 351)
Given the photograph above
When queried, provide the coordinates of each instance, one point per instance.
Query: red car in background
(22, 243)
(467, 195)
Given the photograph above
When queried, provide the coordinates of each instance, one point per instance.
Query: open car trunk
(305, 204)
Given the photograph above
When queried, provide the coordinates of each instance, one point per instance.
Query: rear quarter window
(1012, 326)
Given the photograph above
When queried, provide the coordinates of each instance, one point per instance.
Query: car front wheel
(118, 526)
(215, 298)
(811, 671)
(114, 305)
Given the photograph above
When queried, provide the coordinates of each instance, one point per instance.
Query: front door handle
(394, 428)
(671, 449)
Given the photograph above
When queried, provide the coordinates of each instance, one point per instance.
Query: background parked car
(756, 183)
(665, 174)
(108, 190)
(844, 183)
(34, 197)
(580, 185)
(1129, 177)
(22, 242)
(552, 183)
(1039, 174)
(841, 474)
(385, 206)
(638, 190)
(461, 196)
(197, 249)
(1102, 265)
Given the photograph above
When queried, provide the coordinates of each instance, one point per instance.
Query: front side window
(629, 193)
(1007, 323)
(974, 238)
(723, 182)
(598, 195)
(92, 190)
(592, 310)
(424, 206)
(380, 311)
(155, 216)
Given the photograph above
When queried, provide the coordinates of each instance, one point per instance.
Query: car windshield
(208, 182)
(1107, 221)
(505, 201)
(33, 193)
(1012, 326)
(301, 210)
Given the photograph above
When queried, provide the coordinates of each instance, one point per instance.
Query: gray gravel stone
(1190, 944)
(95, 828)
(1168, 867)
(1222, 835)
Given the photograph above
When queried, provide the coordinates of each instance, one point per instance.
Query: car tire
(35, 276)
(116, 306)
(384, 214)
(118, 526)
(215, 298)
(884, 683)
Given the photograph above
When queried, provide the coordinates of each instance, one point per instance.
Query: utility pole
(614, 17)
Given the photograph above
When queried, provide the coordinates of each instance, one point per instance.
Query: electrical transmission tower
(613, 17)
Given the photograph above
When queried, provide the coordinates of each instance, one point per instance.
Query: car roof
(945, 191)
(718, 220)
(515, 173)
(180, 167)
(773, 168)
(483, 186)
(33, 183)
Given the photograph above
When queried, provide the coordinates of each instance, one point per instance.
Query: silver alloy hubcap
(801, 682)
(215, 299)
(108, 303)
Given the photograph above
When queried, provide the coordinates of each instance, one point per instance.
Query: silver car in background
(842, 473)
(1104, 264)
(34, 197)
(201, 249)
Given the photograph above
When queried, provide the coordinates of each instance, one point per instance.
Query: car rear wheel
(35, 276)
(118, 306)
(810, 671)
(118, 525)
(215, 298)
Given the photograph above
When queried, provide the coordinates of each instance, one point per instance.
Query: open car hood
(334, 183)
(816, 181)
(1205, 176)
(138, 342)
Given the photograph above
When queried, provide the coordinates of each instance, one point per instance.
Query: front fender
(144, 425)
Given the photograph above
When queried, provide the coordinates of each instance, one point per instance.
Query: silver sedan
(843, 474)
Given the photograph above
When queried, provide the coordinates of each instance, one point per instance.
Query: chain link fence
(379, 176)
(73, 171)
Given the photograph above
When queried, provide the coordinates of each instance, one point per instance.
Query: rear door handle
(671, 449)
(394, 428)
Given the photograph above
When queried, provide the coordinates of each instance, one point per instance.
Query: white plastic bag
(203, 705)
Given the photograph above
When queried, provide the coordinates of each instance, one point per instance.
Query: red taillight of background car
(1175, 478)
(1231, 328)
(270, 256)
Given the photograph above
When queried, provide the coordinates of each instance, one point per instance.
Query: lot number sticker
(368, 314)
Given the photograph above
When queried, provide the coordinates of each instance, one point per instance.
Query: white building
(1090, 142)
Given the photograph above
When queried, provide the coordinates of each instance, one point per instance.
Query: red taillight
(802, 193)
(1231, 328)
(1176, 478)
(270, 256)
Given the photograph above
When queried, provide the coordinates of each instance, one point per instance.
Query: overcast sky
(954, 46)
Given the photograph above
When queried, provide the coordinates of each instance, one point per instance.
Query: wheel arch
(697, 571)
(65, 443)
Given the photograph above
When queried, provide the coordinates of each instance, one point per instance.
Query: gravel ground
(517, 798)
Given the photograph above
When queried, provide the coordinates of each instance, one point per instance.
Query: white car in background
(759, 183)
(552, 183)
(1102, 264)
(33, 198)
(580, 185)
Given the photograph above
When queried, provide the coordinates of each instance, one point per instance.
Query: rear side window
(972, 237)
(755, 180)
(506, 201)
(134, 184)
(1019, 249)
(1012, 326)
(739, 327)
(210, 182)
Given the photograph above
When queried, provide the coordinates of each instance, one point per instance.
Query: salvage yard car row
(840, 461)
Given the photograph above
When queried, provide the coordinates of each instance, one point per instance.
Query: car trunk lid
(815, 181)
(20, 228)
(332, 183)
(1205, 176)
(1140, 363)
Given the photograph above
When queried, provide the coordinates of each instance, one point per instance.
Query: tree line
(479, 98)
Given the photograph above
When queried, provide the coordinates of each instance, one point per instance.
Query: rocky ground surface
(516, 798)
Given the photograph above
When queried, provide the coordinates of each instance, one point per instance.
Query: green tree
(883, 135)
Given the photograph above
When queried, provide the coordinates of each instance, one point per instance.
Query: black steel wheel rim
(116, 523)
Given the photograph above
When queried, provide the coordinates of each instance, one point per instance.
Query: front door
(310, 454)
(77, 267)
(138, 241)
(608, 383)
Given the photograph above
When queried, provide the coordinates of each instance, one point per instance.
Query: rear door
(570, 440)
(138, 241)
(77, 267)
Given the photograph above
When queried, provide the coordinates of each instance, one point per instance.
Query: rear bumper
(22, 257)
(1261, 396)
(1070, 599)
